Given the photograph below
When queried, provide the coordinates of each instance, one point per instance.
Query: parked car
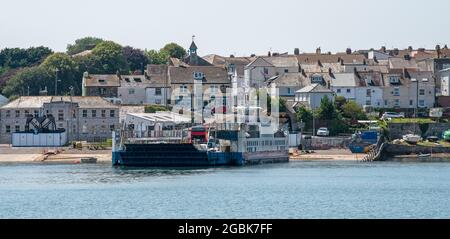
(390, 115)
(323, 132)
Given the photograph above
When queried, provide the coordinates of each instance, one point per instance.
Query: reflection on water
(344, 189)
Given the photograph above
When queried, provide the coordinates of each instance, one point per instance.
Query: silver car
(323, 132)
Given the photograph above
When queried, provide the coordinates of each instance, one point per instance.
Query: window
(394, 79)
(112, 127)
(36, 113)
(158, 101)
(183, 89)
(157, 91)
(199, 75)
(421, 92)
(60, 114)
(338, 90)
(17, 128)
(213, 89)
(102, 91)
(27, 113)
(348, 90)
(396, 91)
(137, 79)
(84, 113)
(103, 129)
(17, 113)
(74, 128)
(8, 114)
(396, 102)
(289, 90)
(7, 129)
(411, 102)
(368, 92)
(421, 103)
(84, 129)
(317, 79)
(266, 71)
(131, 91)
(286, 70)
(368, 102)
(94, 113)
(127, 79)
(112, 113)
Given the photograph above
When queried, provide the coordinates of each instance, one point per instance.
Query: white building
(445, 82)
(363, 89)
(311, 96)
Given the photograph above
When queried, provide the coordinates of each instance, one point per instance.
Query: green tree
(108, 58)
(32, 79)
(326, 110)
(136, 58)
(174, 50)
(339, 101)
(353, 111)
(83, 44)
(306, 116)
(67, 71)
(157, 57)
(18, 57)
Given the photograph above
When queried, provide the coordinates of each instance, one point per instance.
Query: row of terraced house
(405, 80)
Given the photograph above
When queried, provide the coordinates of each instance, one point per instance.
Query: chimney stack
(318, 51)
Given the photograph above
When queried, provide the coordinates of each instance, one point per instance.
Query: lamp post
(56, 81)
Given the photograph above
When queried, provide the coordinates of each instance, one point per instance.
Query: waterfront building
(408, 89)
(82, 117)
(364, 89)
(445, 81)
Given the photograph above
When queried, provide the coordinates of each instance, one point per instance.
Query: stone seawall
(397, 130)
(398, 149)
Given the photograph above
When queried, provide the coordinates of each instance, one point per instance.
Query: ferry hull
(173, 155)
(186, 155)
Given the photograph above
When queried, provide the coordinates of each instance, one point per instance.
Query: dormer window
(317, 79)
(199, 75)
(101, 81)
(231, 68)
(394, 79)
(137, 79)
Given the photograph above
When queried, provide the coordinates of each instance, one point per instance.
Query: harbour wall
(398, 149)
(397, 130)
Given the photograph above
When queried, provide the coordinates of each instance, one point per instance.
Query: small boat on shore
(412, 138)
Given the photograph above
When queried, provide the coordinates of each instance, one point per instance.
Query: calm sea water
(293, 190)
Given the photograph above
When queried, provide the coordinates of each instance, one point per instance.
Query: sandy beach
(37, 155)
(330, 154)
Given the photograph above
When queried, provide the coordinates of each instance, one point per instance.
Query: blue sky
(228, 27)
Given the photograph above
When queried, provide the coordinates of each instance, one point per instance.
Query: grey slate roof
(314, 88)
(94, 102)
(184, 75)
(111, 80)
(344, 79)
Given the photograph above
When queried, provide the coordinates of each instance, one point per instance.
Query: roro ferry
(201, 146)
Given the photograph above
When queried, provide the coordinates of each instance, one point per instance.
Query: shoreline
(10, 155)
